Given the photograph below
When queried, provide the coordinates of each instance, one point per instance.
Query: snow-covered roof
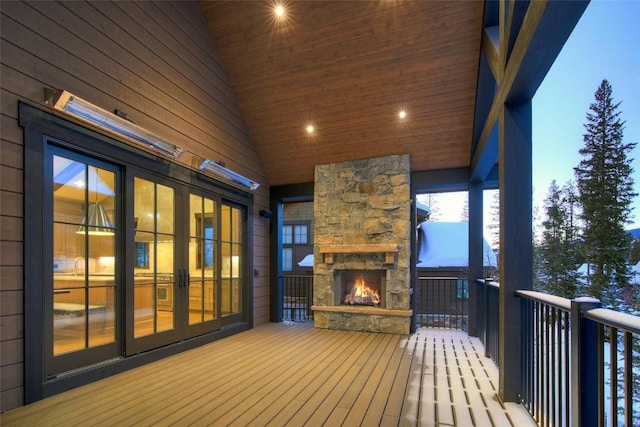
(446, 244)
(307, 261)
(423, 207)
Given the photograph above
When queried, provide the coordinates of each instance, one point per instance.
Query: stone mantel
(389, 249)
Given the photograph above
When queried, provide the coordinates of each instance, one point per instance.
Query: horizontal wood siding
(153, 60)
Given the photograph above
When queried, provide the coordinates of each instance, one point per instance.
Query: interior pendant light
(97, 220)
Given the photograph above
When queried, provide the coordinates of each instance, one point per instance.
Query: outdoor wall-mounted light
(265, 213)
(221, 172)
(67, 102)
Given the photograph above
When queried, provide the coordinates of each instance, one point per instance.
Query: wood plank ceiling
(348, 68)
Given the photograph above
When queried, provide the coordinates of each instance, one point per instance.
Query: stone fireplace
(362, 235)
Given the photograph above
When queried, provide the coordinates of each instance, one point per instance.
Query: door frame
(77, 359)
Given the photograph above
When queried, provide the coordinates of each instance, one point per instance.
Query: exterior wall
(298, 212)
(301, 212)
(153, 60)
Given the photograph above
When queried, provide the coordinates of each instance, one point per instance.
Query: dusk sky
(604, 45)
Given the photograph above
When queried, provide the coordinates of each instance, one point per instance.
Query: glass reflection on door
(84, 285)
(154, 284)
(231, 254)
(202, 259)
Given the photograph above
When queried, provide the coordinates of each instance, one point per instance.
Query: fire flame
(361, 293)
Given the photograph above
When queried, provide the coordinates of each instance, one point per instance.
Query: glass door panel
(202, 272)
(232, 270)
(154, 243)
(83, 314)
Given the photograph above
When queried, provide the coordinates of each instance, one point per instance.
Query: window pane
(68, 319)
(143, 310)
(225, 213)
(101, 310)
(287, 234)
(164, 210)
(287, 259)
(144, 205)
(300, 234)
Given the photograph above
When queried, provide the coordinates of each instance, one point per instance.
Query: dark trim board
(448, 180)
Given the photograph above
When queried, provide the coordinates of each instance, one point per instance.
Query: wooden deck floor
(292, 374)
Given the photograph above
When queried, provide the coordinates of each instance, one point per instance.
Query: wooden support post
(516, 251)
(476, 255)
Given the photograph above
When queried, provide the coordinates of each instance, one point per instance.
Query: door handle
(181, 278)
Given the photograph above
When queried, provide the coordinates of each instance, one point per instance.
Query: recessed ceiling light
(310, 129)
(402, 114)
(279, 10)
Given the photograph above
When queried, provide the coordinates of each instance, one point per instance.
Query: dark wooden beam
(440, 180)
(531, 41)
(515, 241)
(554, 26)
(476, 251)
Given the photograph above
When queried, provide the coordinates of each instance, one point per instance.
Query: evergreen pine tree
(494, 225)
(431, 200)
(539, 282)
(464, 215)
(605, 189)
(559, 246)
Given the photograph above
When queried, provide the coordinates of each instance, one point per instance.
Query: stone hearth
(362, 222)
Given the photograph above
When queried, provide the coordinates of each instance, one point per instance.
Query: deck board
(291, 374)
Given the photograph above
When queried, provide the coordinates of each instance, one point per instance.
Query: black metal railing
(546, 358)
(579, 363)
(488, 316)
(297, 298)
(617, 355)
(442, 302)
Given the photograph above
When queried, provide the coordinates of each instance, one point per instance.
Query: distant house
(297, 237)
(444, 249)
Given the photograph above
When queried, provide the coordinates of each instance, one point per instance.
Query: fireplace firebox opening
(360, 287)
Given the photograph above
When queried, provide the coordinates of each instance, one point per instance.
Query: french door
(139, 260)
(187, 263)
